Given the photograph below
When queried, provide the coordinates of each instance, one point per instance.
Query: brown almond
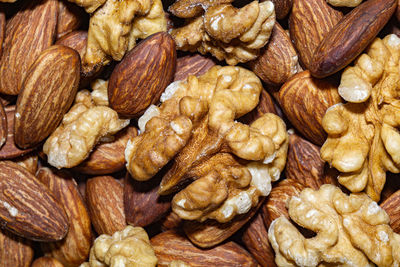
(304, 100)
(69, 18)
(282, 7)
(171, 221)
(10, 150)
(3, 125)
(107, 158)
(309, 22)
(169, 246)
(2, 28)
(47, 93)
(278, 61)
(28, 33)
(27, 207)
(142, 203)
(351, 36)
(15, 251)
(210, 233)
(265, 105)
(392, 207)
(192, 65)
(105, 200)
(29, 162)
(255, 238)
(74, 248)
(46, 262)
(143, 74)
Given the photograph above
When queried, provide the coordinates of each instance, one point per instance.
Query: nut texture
(282, 7)
(192, 65)
(27, 206)
(69, 18)
(54, 75)
(32, 29)
(46, 262)
(15, 251)
(139, 80)
(3, 125)
(392, 207)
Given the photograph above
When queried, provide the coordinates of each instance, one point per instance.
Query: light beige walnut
(377, 69)
(99, 92)
(363, 138)
(89, 5)
(228, 33)
(129, 247)
(347, 3)
(82, 128)
(350, 231)
(178, 263)
(115, 26)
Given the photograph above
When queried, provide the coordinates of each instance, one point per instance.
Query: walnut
(81, 129)
(228, 33)
(128, 247)
(378, 68)
(89, 5)
(115, 26)
(193, 8)
(178, 263)
(347, 3)
(99, 93)
(363, 139)
(350, 231)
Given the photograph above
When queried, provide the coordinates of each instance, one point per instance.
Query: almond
(265, 105)
(282, 7)
(108, 158)
(278, 61)
(210, 233)
(192, 65)
(392, 207)
(69, 18)
(15, 251)
(2, 28)
(105, 200)
(255, 238)
(46, 262)
(140, 78)
(304, 100)
(3, 125)
(170, 246)
(351, 36)
(46, 94)
(74, 248)
(27, 207)
(28, 33)
(10, 150)
(29, 162)
(142, 204)
(309, 22)
(171, 221)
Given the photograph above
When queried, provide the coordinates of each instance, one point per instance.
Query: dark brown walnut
(46, 262)
(15, 251)
(140, 78)
(265, 105)
(210, 233)
(74, 248)
(193, 8)
(255, 238)
(28, 33)
(304, 100)
(27, 207)
(192, 65)
(107, 158)
(105, 200)
(46, 94)
(3, 125)
(392, 207)
(278, 61)
(169, 246)
(275, 206)
(10, 150)
(351, 36)
(142, 203)
(70, 18)
(171, 221)
(309, 22)
(282, 7)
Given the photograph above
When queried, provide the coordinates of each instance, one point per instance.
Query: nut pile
(199, 133)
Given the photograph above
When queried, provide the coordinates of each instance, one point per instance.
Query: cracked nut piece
(348, 3)
(377, 68)
(228, 33)
(129, 247)
(115, 26)
(350, 231)
(81, 129)
(89, 5)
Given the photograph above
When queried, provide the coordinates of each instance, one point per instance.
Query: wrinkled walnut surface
(363, 140)
(350, 231)
(130, 247)
(89, 5)
(228, 33)
(81, 129)
(347, 3)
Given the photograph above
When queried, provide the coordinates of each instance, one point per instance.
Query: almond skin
(47, 93)
(3, 125)
(69, 18)
(105, 200)
(28, 33)
(170, 246)
(2, 28)
(46, 262)
(28, 208)
(392, 207)
(282, 7)
(15, 251)
(351, 36)
(143, 74)
(192, 65)
(74, 248)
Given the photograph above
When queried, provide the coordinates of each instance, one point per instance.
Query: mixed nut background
(199, 133)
